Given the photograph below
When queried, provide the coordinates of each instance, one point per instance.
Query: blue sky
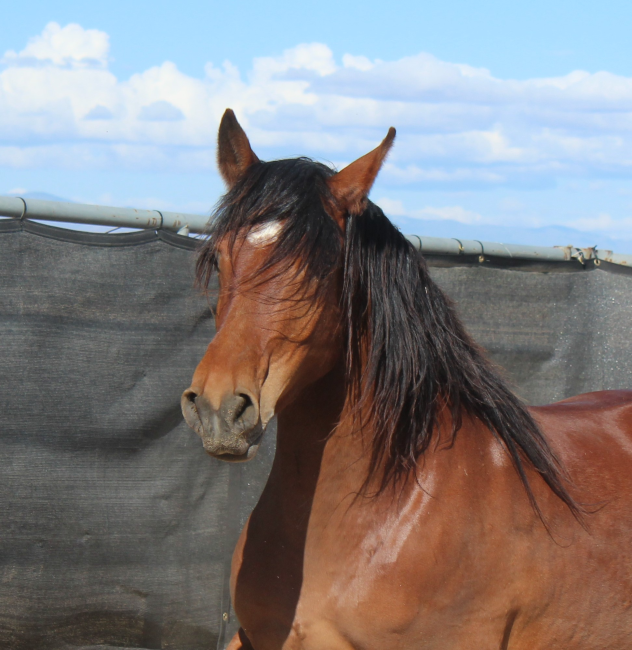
(514, 119)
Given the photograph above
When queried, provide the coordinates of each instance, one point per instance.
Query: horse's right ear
(350, 187)
(234, 154)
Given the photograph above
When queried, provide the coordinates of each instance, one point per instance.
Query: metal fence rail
(19, 208)
(183, 223)
(445, 246)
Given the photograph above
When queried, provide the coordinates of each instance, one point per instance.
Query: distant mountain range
(545, 236)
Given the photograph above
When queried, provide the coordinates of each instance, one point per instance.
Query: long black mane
(408, 357)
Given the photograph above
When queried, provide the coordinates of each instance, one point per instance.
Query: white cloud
(602, 222)
(395, 208)
(511, 205)
(71, 45)
(449, 213)
(357, 62)
(458, 125)
(413, 174)
(392, 207)
(307, 57)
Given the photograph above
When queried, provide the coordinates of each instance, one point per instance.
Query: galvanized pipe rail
(183, 223)
(19, 208)
(444, 246)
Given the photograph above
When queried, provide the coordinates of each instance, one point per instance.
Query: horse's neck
(318, 447)
(319, 455)
(304, 430)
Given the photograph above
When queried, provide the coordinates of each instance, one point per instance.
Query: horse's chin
(229, 457)
(237, 458)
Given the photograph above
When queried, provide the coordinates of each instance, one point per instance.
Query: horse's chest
(337, 589)
(375, 574)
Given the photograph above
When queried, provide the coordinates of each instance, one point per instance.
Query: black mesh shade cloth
(116, 528)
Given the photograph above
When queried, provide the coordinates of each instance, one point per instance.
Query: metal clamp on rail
(23, 215)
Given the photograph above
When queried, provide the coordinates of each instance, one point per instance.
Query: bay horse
(414, 500)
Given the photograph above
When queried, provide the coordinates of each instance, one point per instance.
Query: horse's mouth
(231, 457)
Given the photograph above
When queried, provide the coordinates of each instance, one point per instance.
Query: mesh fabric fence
(116, 528)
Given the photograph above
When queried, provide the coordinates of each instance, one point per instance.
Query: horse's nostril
(244, 402)
(190, 410)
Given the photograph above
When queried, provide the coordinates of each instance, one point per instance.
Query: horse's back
(602, 418)
(592, 436)
(598, 400)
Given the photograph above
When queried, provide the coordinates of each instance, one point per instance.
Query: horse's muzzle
(232, 433)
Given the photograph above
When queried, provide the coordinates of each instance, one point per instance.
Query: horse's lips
(230, 457)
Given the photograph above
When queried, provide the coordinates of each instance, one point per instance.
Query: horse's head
(277, 244)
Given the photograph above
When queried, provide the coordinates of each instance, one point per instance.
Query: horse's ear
(234, 154)
(351, 186)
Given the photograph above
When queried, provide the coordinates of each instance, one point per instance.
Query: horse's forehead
(264, 233)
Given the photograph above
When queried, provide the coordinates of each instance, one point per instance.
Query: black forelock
(293, 192)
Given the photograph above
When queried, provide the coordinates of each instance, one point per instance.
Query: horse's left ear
(234, 153)
(350, 187)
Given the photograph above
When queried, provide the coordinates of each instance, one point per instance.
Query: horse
(414, 501)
